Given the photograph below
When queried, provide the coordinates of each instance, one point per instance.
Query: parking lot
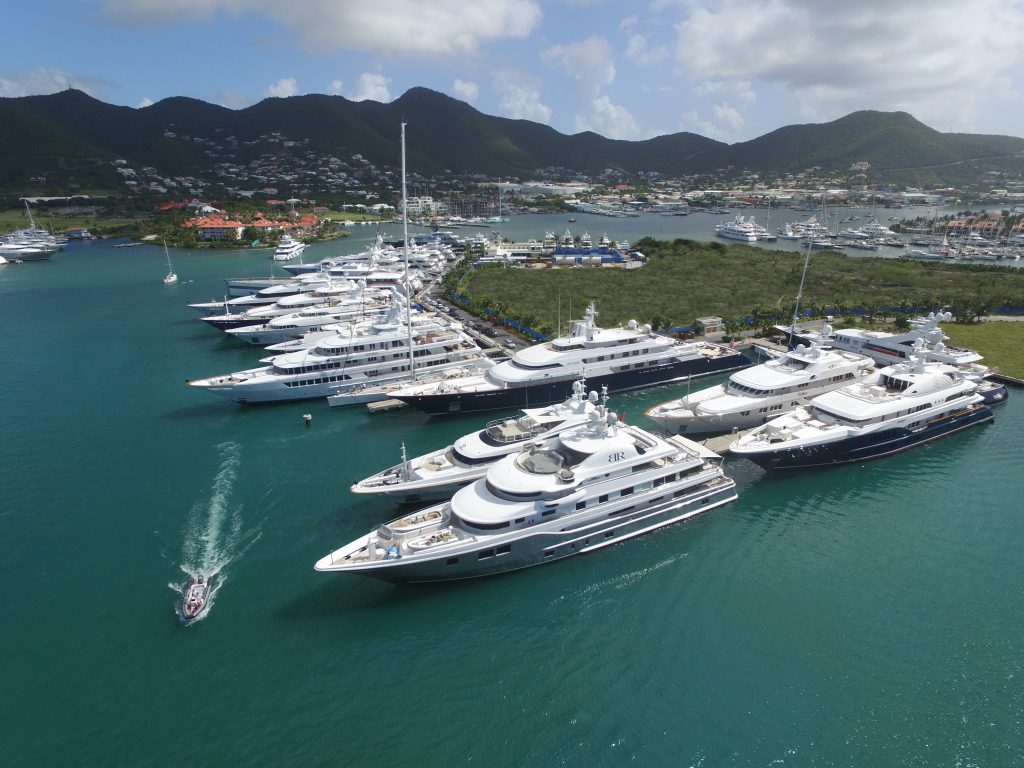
(491, 337)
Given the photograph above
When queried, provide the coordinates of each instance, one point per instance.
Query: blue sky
(730, 70)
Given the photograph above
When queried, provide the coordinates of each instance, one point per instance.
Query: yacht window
(485, 553)
(490, 526)
(452, 561)
(462, 458)
(581, 504)
(603, 498)
(504, 549)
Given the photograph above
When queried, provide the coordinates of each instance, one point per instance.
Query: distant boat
(288, 249)
(170, 277)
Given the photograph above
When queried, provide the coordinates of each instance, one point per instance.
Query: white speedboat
(438, 474)
(896, 408)
(288, 248)
(618, 358)
(196, 597)
(591, 486)
(758, 394)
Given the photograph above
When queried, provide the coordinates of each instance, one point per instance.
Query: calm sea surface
(860, 616)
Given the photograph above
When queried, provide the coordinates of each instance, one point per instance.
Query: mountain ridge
(72, 132)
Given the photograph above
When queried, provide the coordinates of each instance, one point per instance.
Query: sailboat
(170, 277)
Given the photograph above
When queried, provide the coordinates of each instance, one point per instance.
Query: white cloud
(588, 61)
(740, 90)
(372, 87)
(467, 91)
(233, 99)
(286, 86)
(390, 27)
(638, 49)
(936, 60)
(44, 80)
(145, 102)
(610, 120)
(726, 124)
(336, 87)
(520, 98)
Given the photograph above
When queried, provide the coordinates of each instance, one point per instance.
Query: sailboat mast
(405, 253)
(800, 292)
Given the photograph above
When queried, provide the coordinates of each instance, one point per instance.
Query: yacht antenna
(405, 462)
(405, 253)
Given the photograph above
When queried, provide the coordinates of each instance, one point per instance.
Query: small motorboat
(196, 596)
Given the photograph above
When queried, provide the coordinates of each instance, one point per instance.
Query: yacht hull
(488, 556)
(869, 446)
(555, 391)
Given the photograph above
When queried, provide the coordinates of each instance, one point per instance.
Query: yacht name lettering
(616, 457)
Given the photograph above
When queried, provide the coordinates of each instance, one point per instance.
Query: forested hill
(43, 135)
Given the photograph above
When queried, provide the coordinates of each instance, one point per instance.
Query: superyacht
(617, 358)
(896, 408)
(367, 354)
(592, 486)
(438, 474)
(758, 394)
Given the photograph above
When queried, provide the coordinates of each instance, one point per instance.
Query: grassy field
(1002, 343)
(15, 218)
(684, 280)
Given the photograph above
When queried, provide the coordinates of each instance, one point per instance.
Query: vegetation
(1002, 344)
(68, 139)
(684, 280)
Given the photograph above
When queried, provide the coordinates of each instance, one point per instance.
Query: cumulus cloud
(726, 123)
(44, 80)
(835, 58)
(639, 50)
(286, 86)
(520, 97)
(233, 99)
(335, 88)
(467, 91)
(372, 87)
(740, 90)
(392, 27)
(588, 61)
(611, 120)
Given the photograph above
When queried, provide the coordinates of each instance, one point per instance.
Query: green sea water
(858, 616)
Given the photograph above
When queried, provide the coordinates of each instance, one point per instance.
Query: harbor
(814, 614)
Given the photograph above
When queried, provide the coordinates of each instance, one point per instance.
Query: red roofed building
(216, 228)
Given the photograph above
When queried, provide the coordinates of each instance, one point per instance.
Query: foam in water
(213, 535)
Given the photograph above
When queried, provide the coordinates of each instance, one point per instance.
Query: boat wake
(214, 536)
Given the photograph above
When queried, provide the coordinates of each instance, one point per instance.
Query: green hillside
(73, 137)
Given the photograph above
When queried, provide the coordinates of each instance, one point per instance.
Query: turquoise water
(865, 615)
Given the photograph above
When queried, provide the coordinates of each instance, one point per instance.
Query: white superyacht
(756, 395)
(367, 354)
(440, 473)
(591, 486)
